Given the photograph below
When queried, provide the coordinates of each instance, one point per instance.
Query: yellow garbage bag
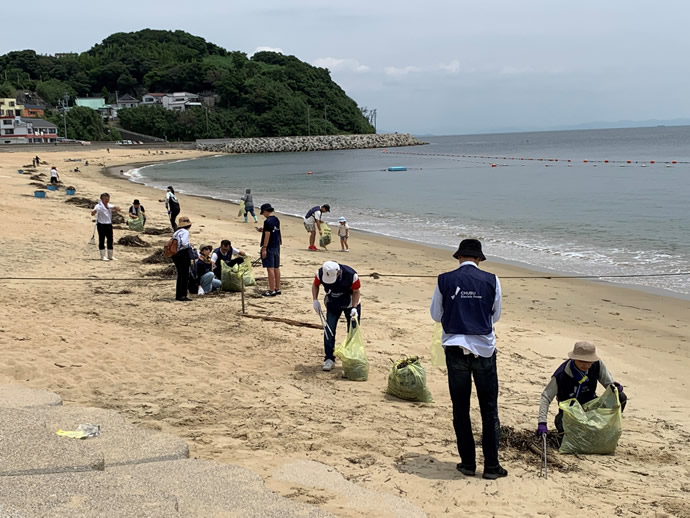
(407, 380)
(241, 211)
(594, 427)
(351, 352)
(325, 238)
(438, 354)
(231, 276)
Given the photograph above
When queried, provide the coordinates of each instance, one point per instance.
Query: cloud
(401, 71)
(336, 64)
(453, 67)
(269, 49)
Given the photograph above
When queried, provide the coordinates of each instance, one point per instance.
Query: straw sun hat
(584, 351)
(184, 221)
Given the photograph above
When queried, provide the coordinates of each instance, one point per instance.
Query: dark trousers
(461, 369)
(105, 231)
(622, 397)
(182, 262)
(173, 216)
(249, 210)
(332, 317)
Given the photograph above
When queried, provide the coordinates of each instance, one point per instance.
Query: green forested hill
(269, 94)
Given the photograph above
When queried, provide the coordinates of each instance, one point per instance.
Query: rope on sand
(373, 275)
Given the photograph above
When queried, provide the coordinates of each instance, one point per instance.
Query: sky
(434, 67)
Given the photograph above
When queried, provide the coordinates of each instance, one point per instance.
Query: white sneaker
(328, 365)
(104, 258)
(201, 291)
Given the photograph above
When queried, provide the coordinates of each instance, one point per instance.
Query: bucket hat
(470, 248)
(184, 221)
(584, 351)
(265, 207)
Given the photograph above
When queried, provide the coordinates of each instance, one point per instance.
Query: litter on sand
(83, 431)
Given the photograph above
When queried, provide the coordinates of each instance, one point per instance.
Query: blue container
(39, 194)
(20, 171)
(71, 192)
(397, 168)
(52, 187)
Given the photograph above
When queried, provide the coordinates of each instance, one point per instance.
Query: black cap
(470, 248)
(265, 207)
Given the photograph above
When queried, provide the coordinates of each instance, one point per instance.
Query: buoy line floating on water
(585, 161)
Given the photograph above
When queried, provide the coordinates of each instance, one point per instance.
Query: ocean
(587, 202)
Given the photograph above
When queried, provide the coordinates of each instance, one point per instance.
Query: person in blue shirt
(467, 302)
(270, 249)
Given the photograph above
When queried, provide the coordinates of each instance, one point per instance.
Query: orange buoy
(309, 172)
(651, 161)
(606, 161)
(628, 161)
(673, 162)
(569, 160)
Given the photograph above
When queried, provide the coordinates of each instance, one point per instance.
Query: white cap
(342, 218)
(330, 271)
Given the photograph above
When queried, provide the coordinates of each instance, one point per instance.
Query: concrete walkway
(125, 471)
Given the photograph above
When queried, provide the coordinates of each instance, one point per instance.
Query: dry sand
(252, 393)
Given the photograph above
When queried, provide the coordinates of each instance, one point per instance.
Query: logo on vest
(465, 294)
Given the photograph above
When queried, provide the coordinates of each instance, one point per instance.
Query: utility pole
(64, 112)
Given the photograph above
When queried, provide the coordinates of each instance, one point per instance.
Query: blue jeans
(332, 317)
(208, 282)
(249, 209)
(461, 369)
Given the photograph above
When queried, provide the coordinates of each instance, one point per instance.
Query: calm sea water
(578, 217)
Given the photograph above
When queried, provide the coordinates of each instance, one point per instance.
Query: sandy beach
(252, 393)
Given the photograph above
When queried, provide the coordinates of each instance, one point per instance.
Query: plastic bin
(39, 194)
(52, 187)
(70, 192)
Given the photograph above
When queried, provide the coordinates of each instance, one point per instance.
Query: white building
(180, 101)
(151, 99)
(16, 130)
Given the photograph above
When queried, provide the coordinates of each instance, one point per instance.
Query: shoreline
(527, 267)
(251, 392)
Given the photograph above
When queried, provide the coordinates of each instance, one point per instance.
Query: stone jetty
(316, 143)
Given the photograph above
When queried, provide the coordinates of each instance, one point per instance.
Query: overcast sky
(441, 67)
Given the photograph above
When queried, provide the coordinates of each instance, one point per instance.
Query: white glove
(317, 306)
(353, 313)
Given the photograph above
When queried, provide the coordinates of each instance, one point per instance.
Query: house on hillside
(152, 99)
(34, 110)
(180, 101)
(126, 101)
(9, 106)
(17, 130)
(95, 103)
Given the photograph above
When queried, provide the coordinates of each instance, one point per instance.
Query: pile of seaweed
(134, 241)
(157, 231)
(157, 257)
(166, 271)
(82, 202)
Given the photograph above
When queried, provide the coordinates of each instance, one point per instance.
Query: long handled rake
(545, 467)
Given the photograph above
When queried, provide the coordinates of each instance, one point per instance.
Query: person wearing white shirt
(104, 223)
(182, 258)
(467, 301)
(312, 222)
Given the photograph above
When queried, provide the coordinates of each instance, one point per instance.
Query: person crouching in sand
(576, 378)
(104, 223)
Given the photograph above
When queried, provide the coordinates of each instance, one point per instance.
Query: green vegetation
(268, 94)
(84, 124)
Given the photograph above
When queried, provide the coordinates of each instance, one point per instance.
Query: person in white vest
(104, 223)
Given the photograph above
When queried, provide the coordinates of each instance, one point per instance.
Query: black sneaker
(277, 292)
(494, 473)
(267, 293)
(184, 299)
(466, 470)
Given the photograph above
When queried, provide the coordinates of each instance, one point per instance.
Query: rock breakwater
(298, 144)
